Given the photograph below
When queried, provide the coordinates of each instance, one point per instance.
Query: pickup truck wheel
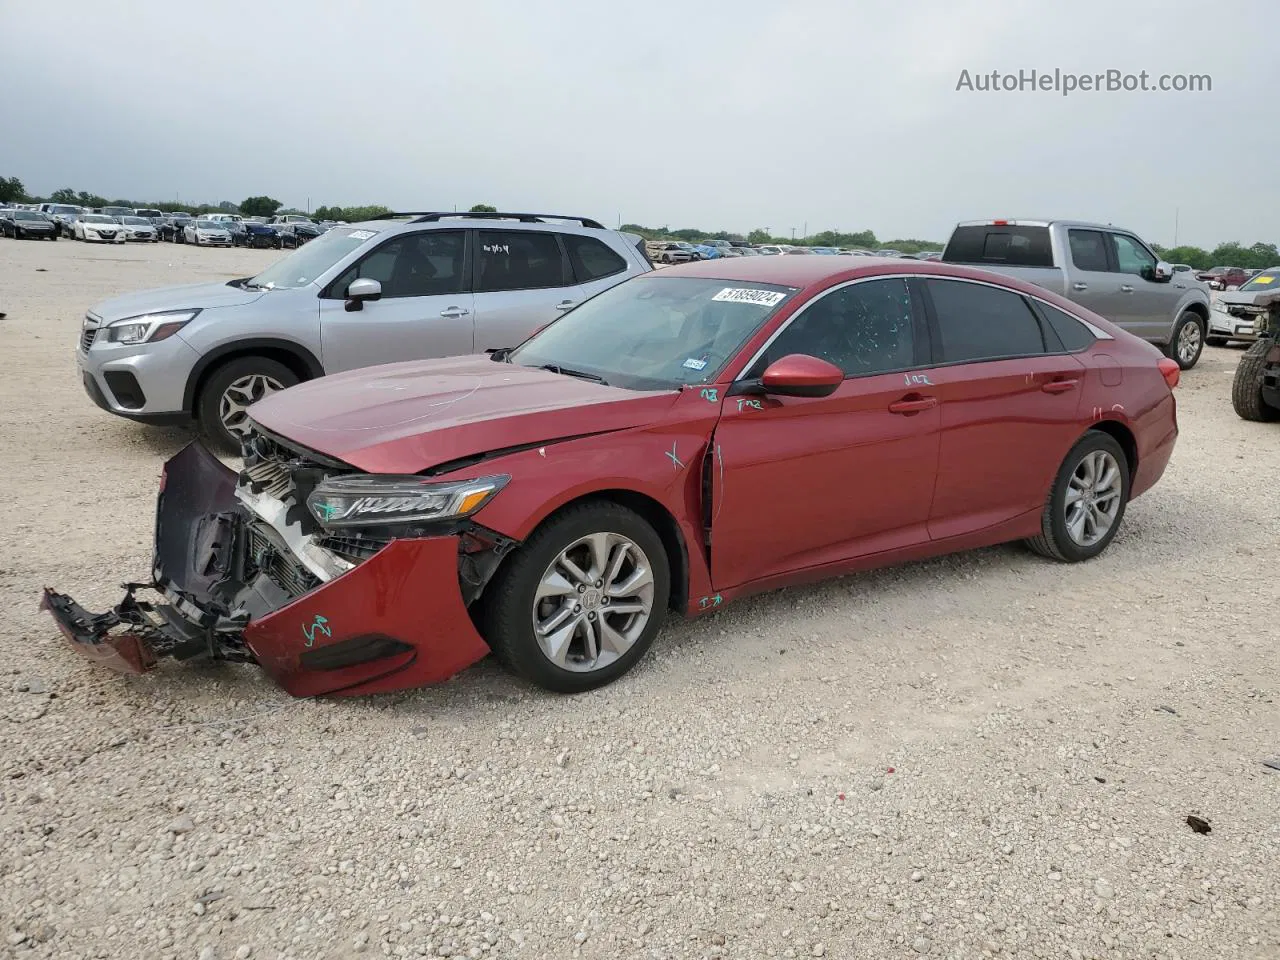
(228, 393)
(1187, 341)
(579, 603)
(1087, 501)
(1246, 388)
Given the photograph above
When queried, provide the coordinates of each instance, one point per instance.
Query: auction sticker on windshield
(763, 298)
(361, 234)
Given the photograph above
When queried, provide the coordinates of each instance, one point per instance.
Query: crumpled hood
(408, 417)
(1249, 298)
(203, 295)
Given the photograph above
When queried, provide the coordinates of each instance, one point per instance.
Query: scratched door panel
(800, 482)
(1003, 438)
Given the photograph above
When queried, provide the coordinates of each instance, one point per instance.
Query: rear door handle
(908, 407)
(452, 313)
(1079, 286)
(1125, 288)
(564, 304)
(1059, 386)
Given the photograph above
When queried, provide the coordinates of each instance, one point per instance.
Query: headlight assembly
(150, 327)
(367, 500)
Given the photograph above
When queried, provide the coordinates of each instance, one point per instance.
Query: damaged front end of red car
(243, 571)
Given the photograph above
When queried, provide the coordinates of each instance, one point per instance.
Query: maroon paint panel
(124, 653)
(407, 592)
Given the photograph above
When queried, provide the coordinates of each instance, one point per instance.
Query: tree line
(1256, 256)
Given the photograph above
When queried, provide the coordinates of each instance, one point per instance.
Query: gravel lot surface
(983, 755)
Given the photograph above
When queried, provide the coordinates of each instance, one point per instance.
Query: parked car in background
(1182, 268)
(155, 216)
(1236, 313)
(670, 253)
(424, 519)
(415, 285)
(888, 253)
(1104, 268)
(27, 225)
(824, 251)
(206, 233)
(173, 227)
(99, 228)
(769, 249)
(140, 229)
(796, 251)
(1219, 278)
(290, 218)
(256, 234)
(294, 234)
(116, 212)
(929, 255)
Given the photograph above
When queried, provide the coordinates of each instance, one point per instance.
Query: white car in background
(206, 233)
(140, 229)
(99, 228)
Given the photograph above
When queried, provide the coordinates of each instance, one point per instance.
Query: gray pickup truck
(1101, 267)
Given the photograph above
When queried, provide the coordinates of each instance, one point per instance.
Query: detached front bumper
(394, 621)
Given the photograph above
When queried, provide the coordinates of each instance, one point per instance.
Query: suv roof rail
(431, 216)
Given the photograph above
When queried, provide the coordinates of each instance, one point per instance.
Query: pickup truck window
(1088, 250)
(1009, 246)
(1131, 256)
(1075, 336)
(977, 322)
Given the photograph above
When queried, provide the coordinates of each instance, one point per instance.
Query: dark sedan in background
(27, 225)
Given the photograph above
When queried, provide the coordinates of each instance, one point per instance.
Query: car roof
(804, 272)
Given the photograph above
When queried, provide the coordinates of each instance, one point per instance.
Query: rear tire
(1187, 342)
(1056, 540)
(241, 381)
(510, 604)
(1246, 388)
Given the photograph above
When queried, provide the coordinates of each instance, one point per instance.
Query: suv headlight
(366, 500)
(150, 327)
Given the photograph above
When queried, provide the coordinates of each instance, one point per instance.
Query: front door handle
(1059, 386)
(564, 304)
(453, 313)
(1125, 288)
(1079, 286)
(908, 406)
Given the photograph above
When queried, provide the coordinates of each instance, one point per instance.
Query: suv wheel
(1246, 388)
(228, 393)
(1187, 340)
(579, 603)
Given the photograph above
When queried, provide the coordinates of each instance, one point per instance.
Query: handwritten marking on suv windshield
(763, 298)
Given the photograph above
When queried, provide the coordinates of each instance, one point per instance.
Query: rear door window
(1075, 336)
(1088, 250)
(978, 322)
(519, 260)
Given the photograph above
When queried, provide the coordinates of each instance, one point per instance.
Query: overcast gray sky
(720, 115)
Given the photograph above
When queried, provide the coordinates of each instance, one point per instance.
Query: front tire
(1246, 388)
(230, 390)
(1087, 501)
(1187, 341)
(579, 604)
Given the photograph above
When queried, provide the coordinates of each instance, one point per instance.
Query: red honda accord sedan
(680, 440)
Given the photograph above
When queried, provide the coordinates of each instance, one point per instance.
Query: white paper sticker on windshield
(361, 234)
(693, 363)
(762, 298)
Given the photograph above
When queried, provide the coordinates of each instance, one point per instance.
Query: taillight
(1169, 368)
(999, 223)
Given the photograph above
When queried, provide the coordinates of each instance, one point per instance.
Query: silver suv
(408, 286)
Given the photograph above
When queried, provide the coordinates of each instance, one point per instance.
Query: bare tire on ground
(579, 603)
(230, 390)
(1087, 501)
(1187, 341)
(1246, 388)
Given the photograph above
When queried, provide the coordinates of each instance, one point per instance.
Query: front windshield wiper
(580, 374)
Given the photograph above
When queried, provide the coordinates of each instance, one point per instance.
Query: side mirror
(1163, 272)
(361, 290)
(800, 375)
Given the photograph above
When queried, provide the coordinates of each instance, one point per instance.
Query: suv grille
(88, 334)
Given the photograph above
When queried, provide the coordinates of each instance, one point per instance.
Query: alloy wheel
(1188, 342)
(1092, 502)
(593, 602)
(239, 396)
